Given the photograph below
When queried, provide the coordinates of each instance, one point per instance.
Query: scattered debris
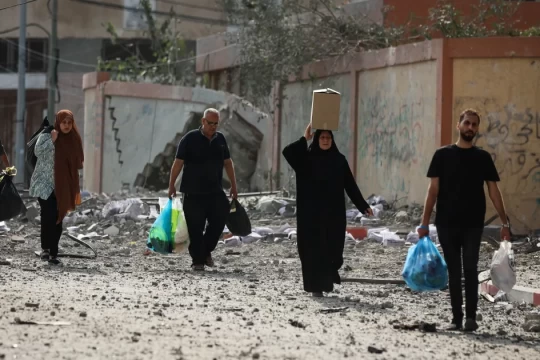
(18, 321)
(333, 310)
(297, 324)
(374, 350)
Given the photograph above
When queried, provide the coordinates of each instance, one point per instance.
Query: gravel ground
(251, 306)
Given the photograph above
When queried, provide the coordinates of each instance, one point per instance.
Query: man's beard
(467, 136)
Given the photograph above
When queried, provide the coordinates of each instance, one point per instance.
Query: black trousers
(458, 244)
(50, 231)
(198, 209)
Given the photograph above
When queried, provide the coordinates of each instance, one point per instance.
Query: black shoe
(209, 261)
(317, 294)
(454, 326)
(55, 261)
(199, 267)
(45, 255)
(471, 325)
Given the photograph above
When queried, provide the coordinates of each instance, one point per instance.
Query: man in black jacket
(3, 155)
(458, 173)
(202, 154)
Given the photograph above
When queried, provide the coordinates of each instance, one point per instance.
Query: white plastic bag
(180, 232)
(502, 270)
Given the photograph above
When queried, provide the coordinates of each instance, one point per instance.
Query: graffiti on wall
(390, 133)
(512, 137)
(390, 137)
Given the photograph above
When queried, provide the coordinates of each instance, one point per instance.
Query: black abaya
(322, 176)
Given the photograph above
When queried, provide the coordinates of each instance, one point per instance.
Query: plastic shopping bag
(238, 221)
(425, 268)
(160, 238)
(503, 273)
(11, 204)
(179, 230)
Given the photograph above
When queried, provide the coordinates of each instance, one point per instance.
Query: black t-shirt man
(458, 174)
(203, 162)
(462, 172)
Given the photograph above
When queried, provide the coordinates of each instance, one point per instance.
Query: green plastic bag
(160, 238)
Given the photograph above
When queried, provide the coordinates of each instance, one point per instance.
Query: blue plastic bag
(160, 238)
(425, 268)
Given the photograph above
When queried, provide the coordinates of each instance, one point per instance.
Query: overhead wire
(12, 6)
(135, 68)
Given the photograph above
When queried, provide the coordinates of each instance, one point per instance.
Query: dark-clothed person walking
(202, 154)
(323, 176)
(3, 156)
(55, 181)
(458, 173)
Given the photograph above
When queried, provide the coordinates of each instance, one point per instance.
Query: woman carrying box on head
(322, 176)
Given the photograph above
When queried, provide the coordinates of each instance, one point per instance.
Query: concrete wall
(128, 125)
(396, 130)
(506, 92)
(136, 131)
(296, 114)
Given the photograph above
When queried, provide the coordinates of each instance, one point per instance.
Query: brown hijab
(68, 159)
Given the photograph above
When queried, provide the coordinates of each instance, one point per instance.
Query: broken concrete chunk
(112, 231)
(17, 239)
(402, 216)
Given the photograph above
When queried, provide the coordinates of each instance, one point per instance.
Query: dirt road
(251, 306)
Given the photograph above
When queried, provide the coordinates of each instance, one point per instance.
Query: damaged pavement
(111, 300)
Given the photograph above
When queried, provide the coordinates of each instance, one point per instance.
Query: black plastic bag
(11, 204)
(31, 158)
(238, 221)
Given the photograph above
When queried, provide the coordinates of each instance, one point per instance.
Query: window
(36, 55)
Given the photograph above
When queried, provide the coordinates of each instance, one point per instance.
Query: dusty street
(130, 306)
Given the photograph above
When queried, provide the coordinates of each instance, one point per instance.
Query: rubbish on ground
(374, 281)
(390, 238)
(365, 221)
(422, 326)
(425, 268)
(111, 230)
(532, 323)
(270, 205)
(503, 274)
(375, 234)
(333, 310)
(297, 324)
(125, 209)
(6, 262)
(18, 239)
(233, 241)
(251, 238)
(18, 321)
(374, 350)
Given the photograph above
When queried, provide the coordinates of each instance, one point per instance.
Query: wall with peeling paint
(129, 125)
(136, 131)
(296, 114)
(506, 92)
(396, 130)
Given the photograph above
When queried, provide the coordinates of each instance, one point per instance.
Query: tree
(172, 63)
(277, 38)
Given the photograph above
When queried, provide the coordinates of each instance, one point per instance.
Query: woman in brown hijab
(55, 181)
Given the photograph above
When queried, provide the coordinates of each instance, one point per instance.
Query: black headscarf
(315, 149)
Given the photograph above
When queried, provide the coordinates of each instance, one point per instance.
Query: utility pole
(20, 144)
(51, 74)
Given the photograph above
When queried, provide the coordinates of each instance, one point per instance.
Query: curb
(518, 293)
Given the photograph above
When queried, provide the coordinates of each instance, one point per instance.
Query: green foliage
(278, 38)
(172, 62)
